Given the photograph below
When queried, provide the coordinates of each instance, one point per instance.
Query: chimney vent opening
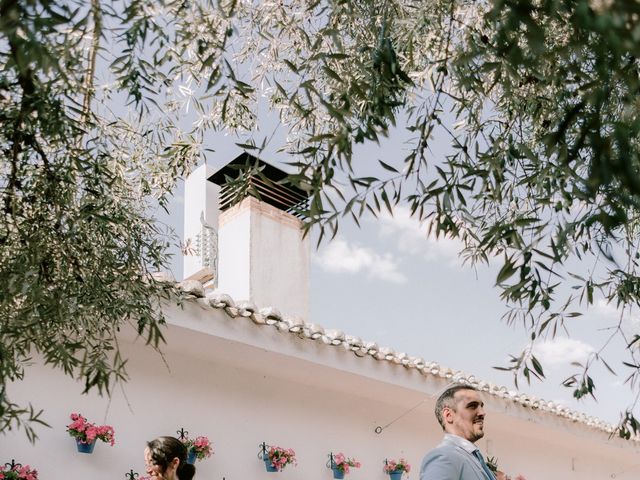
(248, 176)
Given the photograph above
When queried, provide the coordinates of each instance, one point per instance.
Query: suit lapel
(472, 463)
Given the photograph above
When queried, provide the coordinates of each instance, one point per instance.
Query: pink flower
(18, 472)
(281, 457)
(341, 463)
(400, 466)
(201, 445)
(26, 473)
(86, 432)
(106, 434)
(79, 423)
(92, 433)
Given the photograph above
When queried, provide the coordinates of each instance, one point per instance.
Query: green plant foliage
(536, 102)
(77, 243)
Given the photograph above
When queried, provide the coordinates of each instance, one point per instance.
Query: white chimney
(200, 226)
(262, 255)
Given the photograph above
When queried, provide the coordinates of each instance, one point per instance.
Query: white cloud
(411, 236)
(562, 351)
(630, 324)
(631, 327)
(606, 309)
(338, 256)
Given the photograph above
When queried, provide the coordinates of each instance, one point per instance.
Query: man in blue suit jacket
(460, 412)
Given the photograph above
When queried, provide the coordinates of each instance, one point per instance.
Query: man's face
(467, 419)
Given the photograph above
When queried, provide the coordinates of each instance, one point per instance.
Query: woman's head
(166, 459)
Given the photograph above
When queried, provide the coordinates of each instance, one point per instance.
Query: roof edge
(270, 316)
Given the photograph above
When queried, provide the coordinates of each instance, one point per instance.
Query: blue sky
(387, 282)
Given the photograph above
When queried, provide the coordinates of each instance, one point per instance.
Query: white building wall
(241, 384)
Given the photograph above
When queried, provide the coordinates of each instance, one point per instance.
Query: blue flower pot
(85, 447)
(269, 465)
(339, 474)
(396, 475)
(191, 456)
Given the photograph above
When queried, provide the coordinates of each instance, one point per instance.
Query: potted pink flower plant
(86, 433)
(395, 469)
(341, 465)
(197, 449)
(18, 472)
(276, 458)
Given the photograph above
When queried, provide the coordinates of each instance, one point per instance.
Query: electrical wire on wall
(379, 428)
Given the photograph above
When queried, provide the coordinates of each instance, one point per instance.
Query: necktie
(489, 473)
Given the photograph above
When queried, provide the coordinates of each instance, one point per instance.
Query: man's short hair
(446, 400)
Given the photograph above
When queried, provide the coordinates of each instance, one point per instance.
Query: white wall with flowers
(241, 384)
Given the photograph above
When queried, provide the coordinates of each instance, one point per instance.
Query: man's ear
(447, 414)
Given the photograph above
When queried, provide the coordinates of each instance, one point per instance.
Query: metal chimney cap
(270, 185)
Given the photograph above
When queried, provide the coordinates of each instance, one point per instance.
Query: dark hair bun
(186, 471)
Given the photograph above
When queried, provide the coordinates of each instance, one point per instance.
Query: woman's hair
(164, 449)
